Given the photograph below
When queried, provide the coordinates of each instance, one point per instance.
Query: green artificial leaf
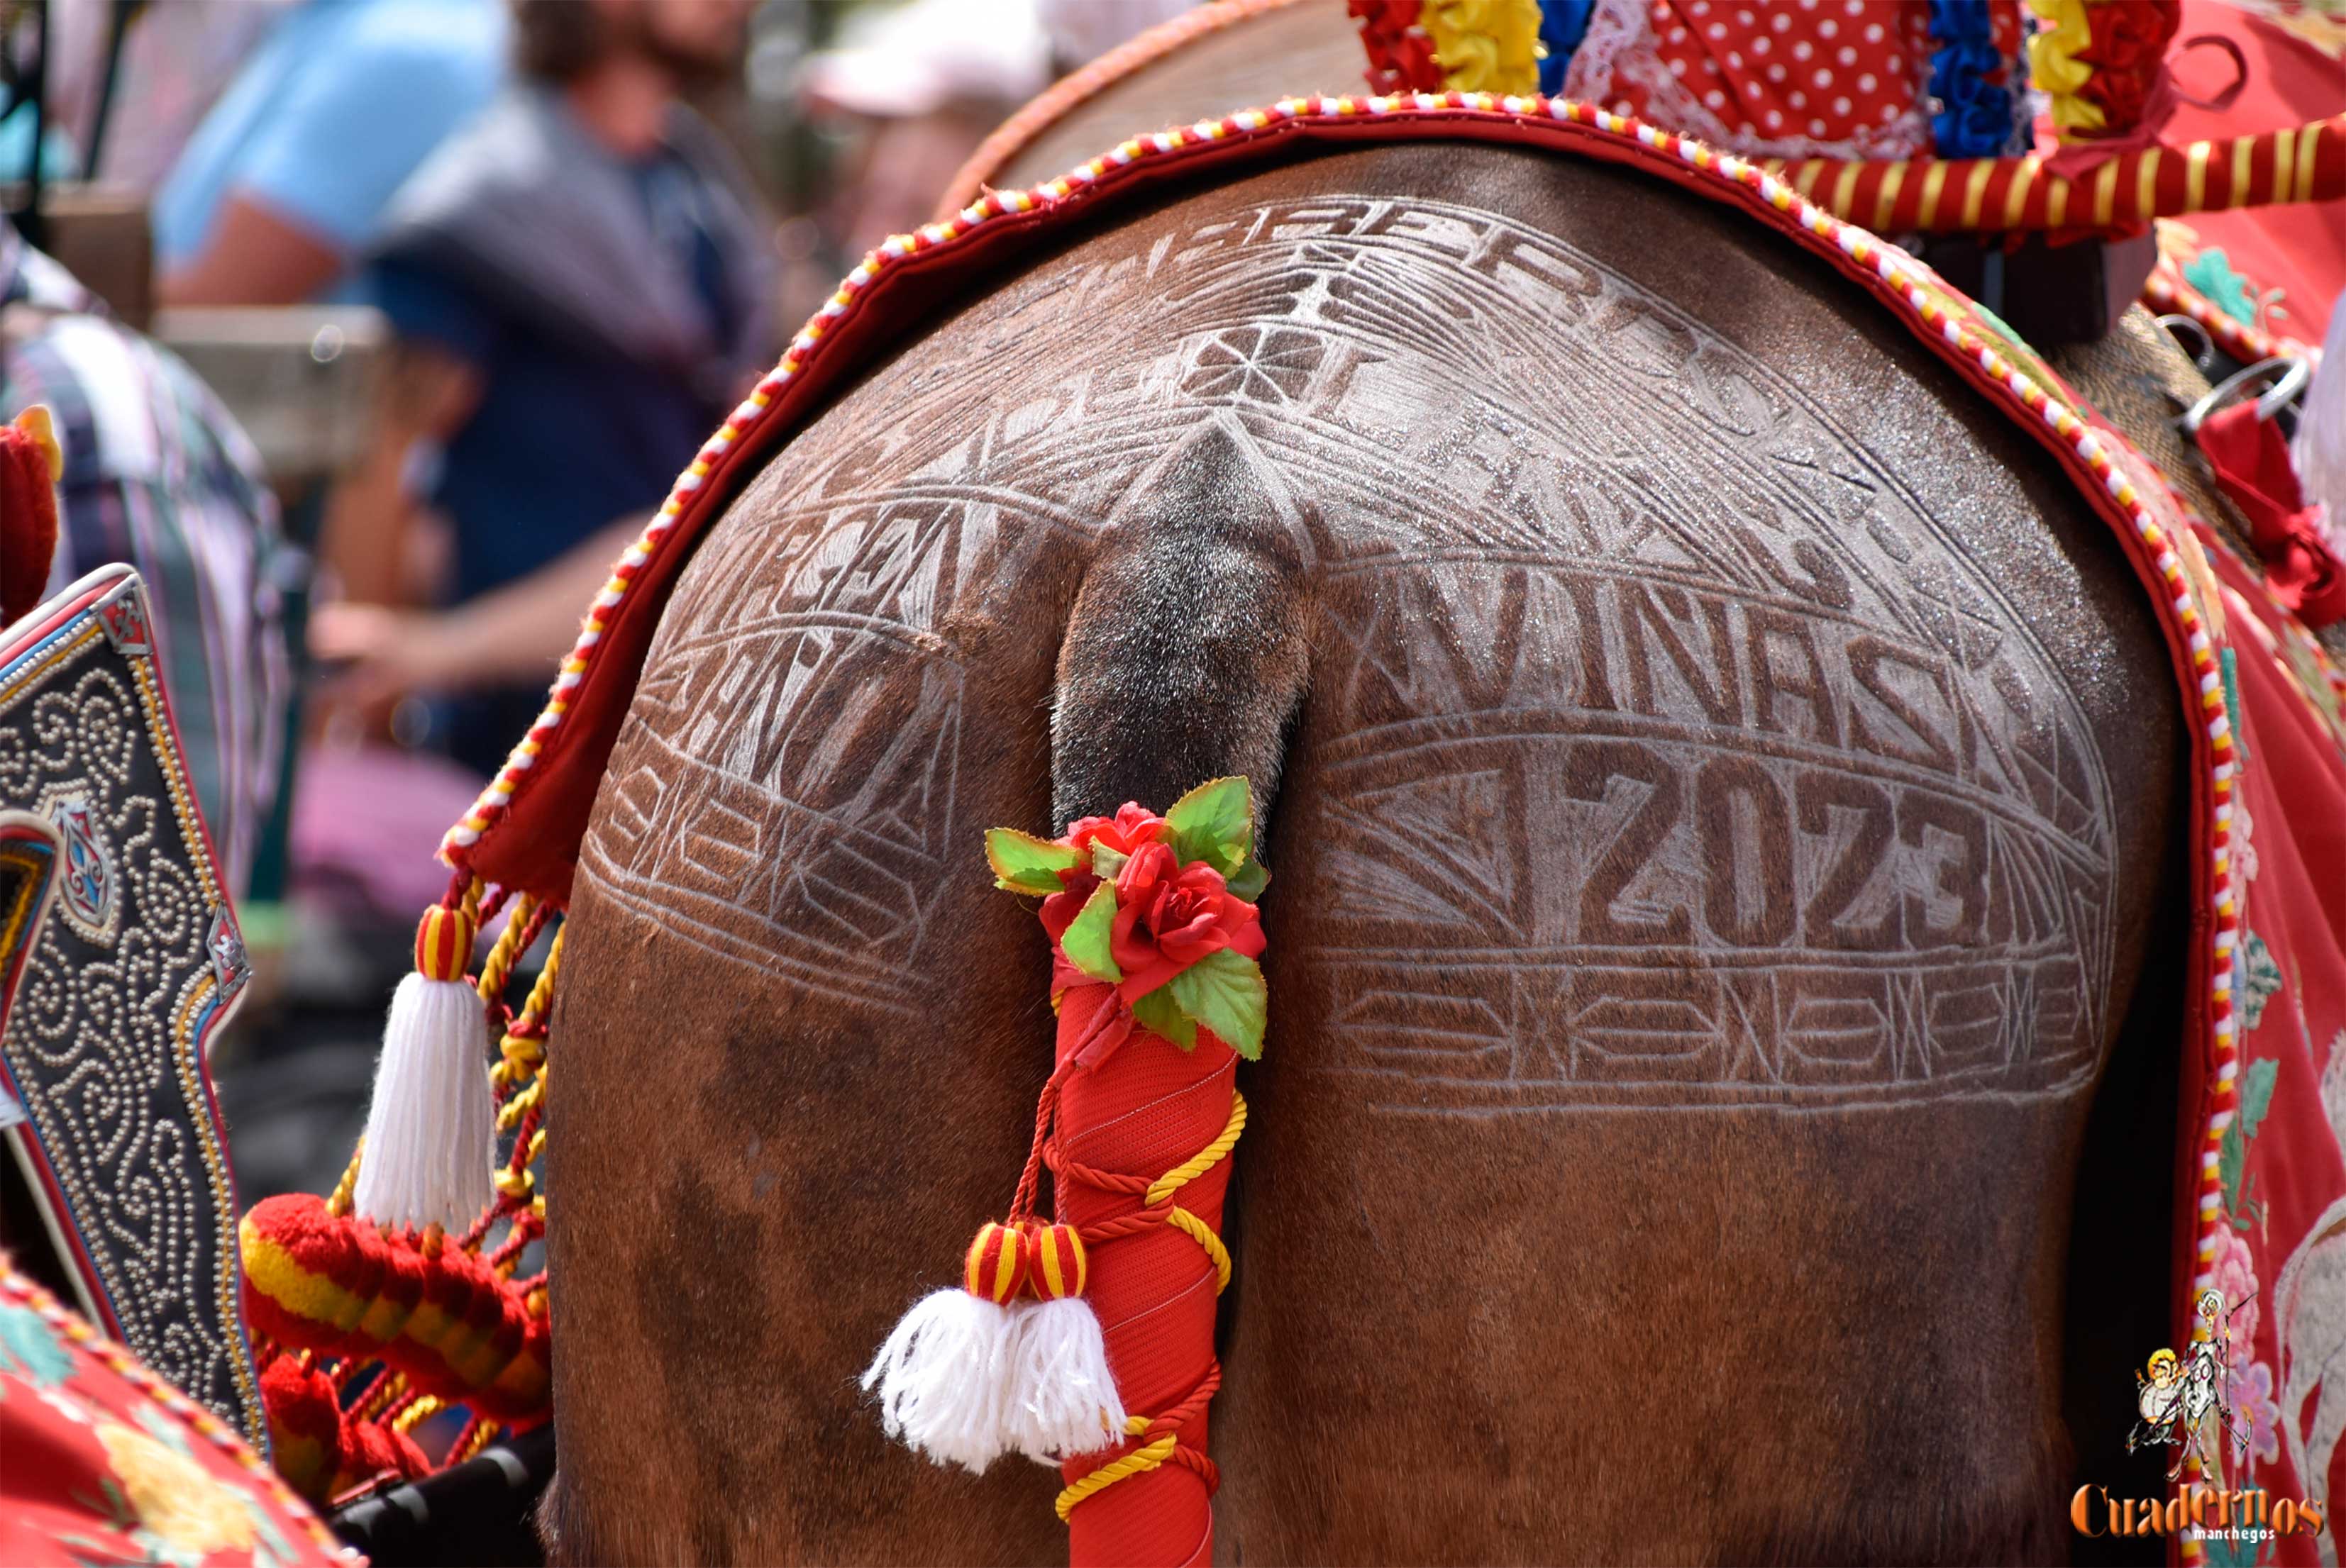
(2229, 1154)
(2256, 1096)
(1106, 862)
(1214, 823)
(1161, 1014)
(1225, 991)
(1087, 941)
(1248, 880)
(1024, 863)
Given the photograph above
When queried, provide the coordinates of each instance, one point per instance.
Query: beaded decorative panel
(136, 963)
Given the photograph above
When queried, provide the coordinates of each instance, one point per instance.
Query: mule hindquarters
(1712, 859)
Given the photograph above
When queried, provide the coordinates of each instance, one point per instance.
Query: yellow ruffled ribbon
(2052, 60)
(1485, 45)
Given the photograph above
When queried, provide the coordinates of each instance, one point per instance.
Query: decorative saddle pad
(138, 961)
(108, 1464)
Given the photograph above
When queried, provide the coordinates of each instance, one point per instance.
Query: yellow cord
(1152, 1455)
(1139, 1461)
(541, 995)
(382, 1396)
(484, 1433)
(519, 1105)
(497, 968)
(339, 1202)
(1203, 1235)
(423, 1409)
(1205, 1159)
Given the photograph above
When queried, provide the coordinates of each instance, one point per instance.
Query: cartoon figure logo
(2182, 1401)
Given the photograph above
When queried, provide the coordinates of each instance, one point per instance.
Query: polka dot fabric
(1776, 77)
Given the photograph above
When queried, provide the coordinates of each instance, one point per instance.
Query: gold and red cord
(1161, 1434)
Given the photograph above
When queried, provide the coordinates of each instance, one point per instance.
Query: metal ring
(2176, 322)
(2294, 376)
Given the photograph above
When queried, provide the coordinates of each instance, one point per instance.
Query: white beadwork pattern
(104, 1044)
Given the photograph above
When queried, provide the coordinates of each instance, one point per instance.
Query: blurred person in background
(134, 79)
(285, 182)
(915, 87)
(581, 282)
(157, 476)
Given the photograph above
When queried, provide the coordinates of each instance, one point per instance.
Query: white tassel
(431, 1132)
(1062, 1399)
(943, 1378)
(2319, 449)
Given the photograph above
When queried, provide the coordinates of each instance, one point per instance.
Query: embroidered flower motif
(178, 1501)
(2244, 851)
(1261, 364)
(2258, 982)
(2212, 273)
(68, 1408)
(2236, 1281)
(28, 1350)
(2255, 1416)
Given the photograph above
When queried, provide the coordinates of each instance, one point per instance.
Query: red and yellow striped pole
(2300, 163)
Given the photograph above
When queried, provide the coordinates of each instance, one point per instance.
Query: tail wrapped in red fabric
(1090, 1342)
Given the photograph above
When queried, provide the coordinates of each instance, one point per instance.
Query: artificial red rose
(1059, 912)
(1131, 827)
(1168, 916)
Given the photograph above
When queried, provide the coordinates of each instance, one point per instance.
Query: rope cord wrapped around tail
(1154, 940)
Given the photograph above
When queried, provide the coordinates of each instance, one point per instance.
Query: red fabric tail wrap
(1144, 1109)
(2251, 462)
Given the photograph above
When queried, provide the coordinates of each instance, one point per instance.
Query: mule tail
(1184, 662)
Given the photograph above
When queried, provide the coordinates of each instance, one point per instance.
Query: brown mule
(1721, 783)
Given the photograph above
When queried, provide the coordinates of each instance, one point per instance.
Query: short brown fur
(1527, 1306)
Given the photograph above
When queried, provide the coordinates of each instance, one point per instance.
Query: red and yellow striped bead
(1056, 1264)
(996, 1265)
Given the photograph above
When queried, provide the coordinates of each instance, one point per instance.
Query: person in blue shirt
(582, 284)
(286, 180)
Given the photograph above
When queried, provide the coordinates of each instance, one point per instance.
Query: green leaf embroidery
(2229, 1154)
(1161, 1014)
(1214, 823)
(1024, 863)
(2259, 979)
(30, 1351)
(2232, 1149)
(1087, 941)
(2256, 1096)
(1225, 991)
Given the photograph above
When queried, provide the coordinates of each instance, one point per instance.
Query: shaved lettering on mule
(1833, 829)
(1675, 752)
(1573, 616)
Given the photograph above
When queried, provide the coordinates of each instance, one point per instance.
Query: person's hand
(374, 654)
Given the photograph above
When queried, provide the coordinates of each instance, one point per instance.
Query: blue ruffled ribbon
(1562, 24)
(1975, 116)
